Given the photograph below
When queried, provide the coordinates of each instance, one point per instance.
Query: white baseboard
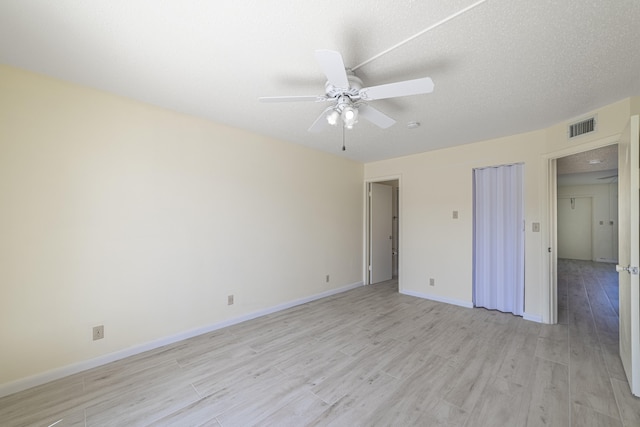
(532, 317)
(438, 298)
(54, 374)
(607, 260)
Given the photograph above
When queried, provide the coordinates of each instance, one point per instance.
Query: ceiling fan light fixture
(349, 116)
(332, 117)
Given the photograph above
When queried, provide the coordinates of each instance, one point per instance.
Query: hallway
(588, 315)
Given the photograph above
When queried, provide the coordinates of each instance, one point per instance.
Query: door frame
(550, 205)
(366, 274)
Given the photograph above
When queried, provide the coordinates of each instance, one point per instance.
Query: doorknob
(629, 269)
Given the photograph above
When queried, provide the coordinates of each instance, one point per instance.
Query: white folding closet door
(499, 238)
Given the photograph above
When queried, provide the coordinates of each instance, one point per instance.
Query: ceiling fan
(349, 99)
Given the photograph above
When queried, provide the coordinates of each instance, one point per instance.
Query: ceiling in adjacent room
(598, 166)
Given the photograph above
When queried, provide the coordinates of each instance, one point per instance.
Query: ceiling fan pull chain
(343, 147)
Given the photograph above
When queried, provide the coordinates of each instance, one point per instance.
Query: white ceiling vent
(582, 127)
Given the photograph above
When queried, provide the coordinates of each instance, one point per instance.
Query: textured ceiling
(504, 67)
(582, 169)
(607, 158)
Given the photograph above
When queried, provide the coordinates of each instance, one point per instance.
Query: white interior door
(575, 220)
(629, 252)
(381, 223)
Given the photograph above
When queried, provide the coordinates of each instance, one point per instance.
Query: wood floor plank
(139, 407)
(61, 418)
(354, 407)
(360, 367)
(582, 416)
(234, 392)
(629, 404)
(503, 403)
(519, 356)
(263, 402)
(467, 387)
(556, 350)
(549, 403)
(74, 418)
(196, 414)
(298, 412)
(418, 399)
(316, 366)
(48, 402)
(590, 381)
(409, 360)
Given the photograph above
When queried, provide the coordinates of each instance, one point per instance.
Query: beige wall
(635, 105)
(604, 209)
(433, 184)
(118, 213)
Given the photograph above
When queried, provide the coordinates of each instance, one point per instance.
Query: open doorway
(586, 220)
(382, 245)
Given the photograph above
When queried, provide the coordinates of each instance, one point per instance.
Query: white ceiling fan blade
(320, 124)
(333, 67)
(313, 98)
(393, 90)
(375, 116)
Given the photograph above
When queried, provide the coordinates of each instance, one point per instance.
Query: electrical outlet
(454, 215)
(327, 279)
(230, 300)
(432, 282)
(98, 332)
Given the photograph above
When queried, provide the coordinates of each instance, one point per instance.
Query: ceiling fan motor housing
(353, 91)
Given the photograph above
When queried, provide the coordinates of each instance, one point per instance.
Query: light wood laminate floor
(367, 357)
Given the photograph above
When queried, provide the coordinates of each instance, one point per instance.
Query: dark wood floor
(367, 357)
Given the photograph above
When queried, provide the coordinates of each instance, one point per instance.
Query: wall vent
(582, 127)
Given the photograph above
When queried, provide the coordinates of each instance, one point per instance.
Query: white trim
(55, 374)
(532, 317)
(461, 303)
(549, 246)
